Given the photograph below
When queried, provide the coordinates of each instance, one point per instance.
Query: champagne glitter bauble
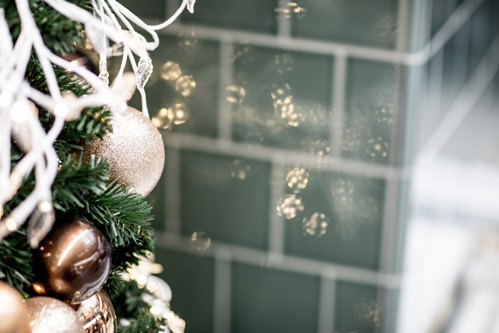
(13, 311)
(73, 261)
(134, 149)
(97, 314)
(48, 314)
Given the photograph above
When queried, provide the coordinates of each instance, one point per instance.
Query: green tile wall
(353, 207)
(270, 301)
(298, 80)
(228, 190)
(480, 30)
(191, 279)
(368, 23)
(226, 198)
(357, 309)
(199, 59)
(371, 108)
(255, 15)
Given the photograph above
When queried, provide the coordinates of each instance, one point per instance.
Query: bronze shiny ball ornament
(134, 150)
(48, 314)
(97, 314)
(14, 314)
(73, 261)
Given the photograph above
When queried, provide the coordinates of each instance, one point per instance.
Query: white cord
(15, 91)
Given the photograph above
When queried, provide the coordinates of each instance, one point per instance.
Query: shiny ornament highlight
(14, 313)
(97, 314)
(134, 149)
(73, 261)
(51, 315)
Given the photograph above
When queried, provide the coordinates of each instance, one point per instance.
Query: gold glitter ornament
(14, 314)
(48, 314)
(134, 149)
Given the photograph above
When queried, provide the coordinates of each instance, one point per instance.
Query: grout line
(226, 77)
(172, 191)
(285, 262)
(283, 23)
(276, 223)
(463, 104)
(450, 27)
(222, 292)
(300, 44)
(389, 223)
(327, 304)
(338, 103)
(276, 155)
(403, 26)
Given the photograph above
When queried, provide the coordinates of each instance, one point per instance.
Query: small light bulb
(61, 110)
(19, 111)
(11, 224)
(141, 280)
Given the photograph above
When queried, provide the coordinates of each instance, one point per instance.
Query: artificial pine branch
(80, 189)
(135, 310)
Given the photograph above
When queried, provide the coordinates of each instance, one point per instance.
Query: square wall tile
(441, 11)
(480, 30)
(255, 15)
(367, 23)
(227, 198)
(357, 308)
(185, 80)
(191, 279)
(150, 10)
(455, 68)
(287, 97)
(370, 110)
(340, 221)
(270, 301)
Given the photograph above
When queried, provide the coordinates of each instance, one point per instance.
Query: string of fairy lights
(110, 29)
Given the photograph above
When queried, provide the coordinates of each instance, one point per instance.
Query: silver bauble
(97, 314)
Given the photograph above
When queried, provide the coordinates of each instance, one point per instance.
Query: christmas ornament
(74, 261)
(48, 314)
(97, 314)
(13, 311)
(134, 149)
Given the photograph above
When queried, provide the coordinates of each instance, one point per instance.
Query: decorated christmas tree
(76, 163)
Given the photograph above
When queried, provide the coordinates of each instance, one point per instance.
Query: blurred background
(332, 165)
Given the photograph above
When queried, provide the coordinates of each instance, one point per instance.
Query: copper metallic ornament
(73, 260)
(14, 313)
(48, 314)
(134, 149)
(97, 314)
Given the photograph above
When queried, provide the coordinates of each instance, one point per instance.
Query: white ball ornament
(134, 149)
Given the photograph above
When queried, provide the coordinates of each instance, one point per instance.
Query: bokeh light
(185, 85)
(289, 206)
(284, 63)
(170, 71)
(235, 94)
(315, 224)
(377, 149)
(200, 241)
(297, 179)
(290, 9)
(239, 169)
